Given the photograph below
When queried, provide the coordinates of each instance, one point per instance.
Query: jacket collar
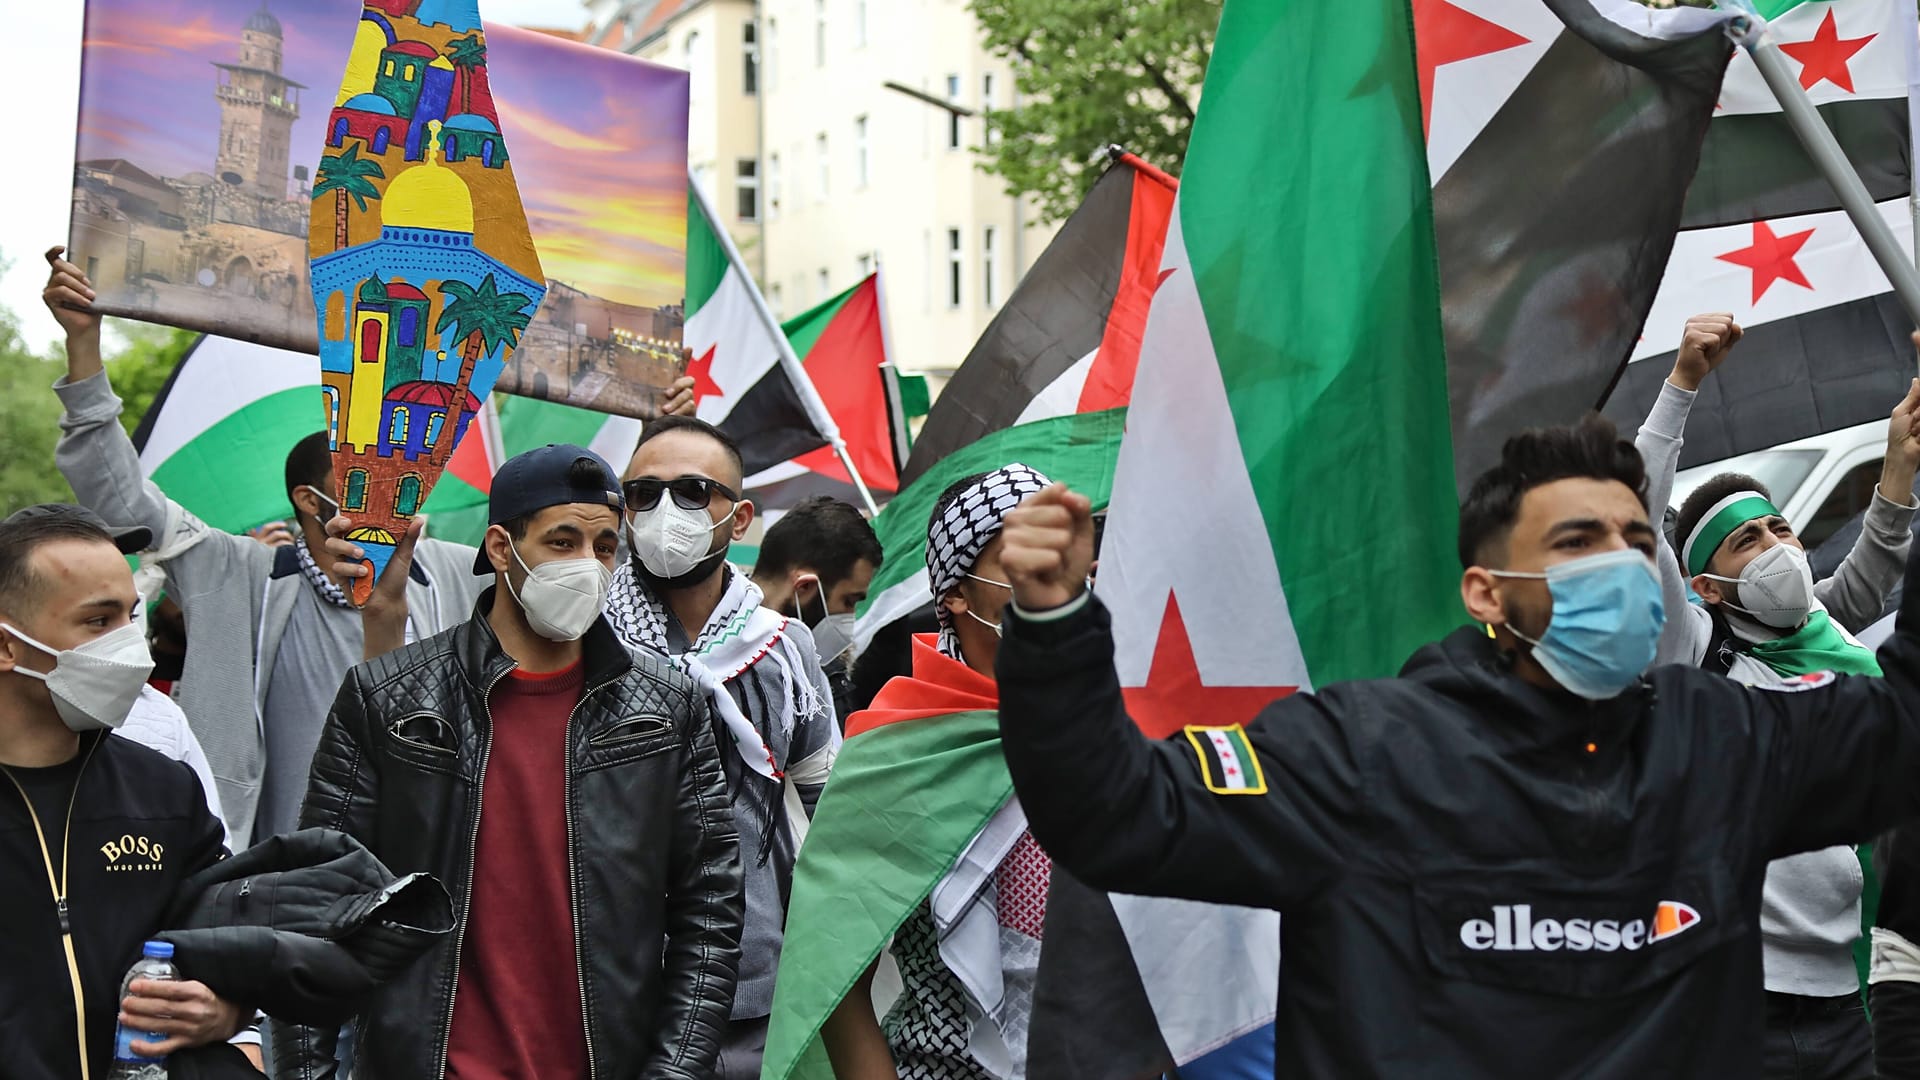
(1473, 670)
(603, 657)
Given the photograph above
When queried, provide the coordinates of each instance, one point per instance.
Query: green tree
(484, 319)
(29, 422)
(341, 175)
(141, 368)
(1092, 73)
(468, 55)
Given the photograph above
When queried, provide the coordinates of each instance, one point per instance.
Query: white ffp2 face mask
(833, 634)
(1776, 587)
(561, 598)
(94, 685)
(670, 540)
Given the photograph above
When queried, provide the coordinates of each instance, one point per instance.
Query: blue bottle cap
(159, 950)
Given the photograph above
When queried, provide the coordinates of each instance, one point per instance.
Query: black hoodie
(140, 828)
(1478, 877)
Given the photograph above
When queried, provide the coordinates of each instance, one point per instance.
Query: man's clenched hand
(1046, 548)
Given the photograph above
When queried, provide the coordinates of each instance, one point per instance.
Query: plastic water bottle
(156, 963)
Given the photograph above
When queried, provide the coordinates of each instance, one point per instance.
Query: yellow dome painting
(419, 238)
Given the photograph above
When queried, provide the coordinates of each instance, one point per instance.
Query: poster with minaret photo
(205, 131)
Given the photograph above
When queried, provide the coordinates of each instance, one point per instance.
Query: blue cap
(529, 483)
(159, 950)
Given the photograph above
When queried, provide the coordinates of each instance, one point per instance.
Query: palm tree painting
(342, 175)
(483, 319)
(467, 54)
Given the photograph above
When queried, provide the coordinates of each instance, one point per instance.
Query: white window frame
(770, 56)
(986, 108)
(989, 267)
(822, 151)
(746, 183)
(859, 24)
(773, 186)
(956, 270)
(690, 59)
(819, 33)
(865, 265)
(861, 161)
(954, 139)
(750, 58)
(823, 286)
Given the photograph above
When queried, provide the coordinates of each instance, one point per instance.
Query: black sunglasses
(689, 492)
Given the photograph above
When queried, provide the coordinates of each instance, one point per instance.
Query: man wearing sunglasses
(675, 595)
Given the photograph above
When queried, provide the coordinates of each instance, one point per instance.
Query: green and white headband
(1718, 523)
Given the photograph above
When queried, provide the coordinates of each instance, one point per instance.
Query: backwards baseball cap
(130, 540)
(529, 483)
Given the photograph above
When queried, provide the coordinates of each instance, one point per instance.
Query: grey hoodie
(235, 602)
(1810, 908)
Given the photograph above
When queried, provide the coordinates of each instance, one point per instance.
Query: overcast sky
(40, 75)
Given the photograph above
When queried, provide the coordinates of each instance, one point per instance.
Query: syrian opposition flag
(1561, 137)
(1068, 338)
(750, 382)
(1826, 342)
(842, 344)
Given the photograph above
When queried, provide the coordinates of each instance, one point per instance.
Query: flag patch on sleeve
(1800, 683)
(1228, 764)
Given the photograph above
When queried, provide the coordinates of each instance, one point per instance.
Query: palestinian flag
(1048, 382)
(1826, 344)
(750, 382)
(842, 344)
(216, 437)
(1296, 359)
(919, 777)
(1068, 338)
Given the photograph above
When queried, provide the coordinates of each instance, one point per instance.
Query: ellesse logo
(1513, 928)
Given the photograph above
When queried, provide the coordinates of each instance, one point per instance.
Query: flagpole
(796, 371)
(1749, 31)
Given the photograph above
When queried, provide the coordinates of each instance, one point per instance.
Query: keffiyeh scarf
(738, 635)
(963, 530)
(321, 583)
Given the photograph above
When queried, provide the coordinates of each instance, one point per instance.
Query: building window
(773, 186)
(356, 499)
(986, 107)
(819, 33)
(749, 58)
(397, 428)
(865, 262)
(434, 424)
(860, 151)
(746, 189)
(987, 267)
(774, 299)
(773, 54)
(409, 327)
(953, 115)
(371, 333)
(953, 268)
(820, 151)
(859, 24)
(389, 69)
(690, 59)
(332, 394)
(823, 287)
(406, 501)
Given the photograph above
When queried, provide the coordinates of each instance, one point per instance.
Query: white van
(1819, 483)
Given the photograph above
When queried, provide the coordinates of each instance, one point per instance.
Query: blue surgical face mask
(1607, 616)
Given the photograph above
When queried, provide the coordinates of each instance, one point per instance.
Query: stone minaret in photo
(258, 106)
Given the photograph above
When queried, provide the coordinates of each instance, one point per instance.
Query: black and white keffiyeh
(963, 530)
(322, 584)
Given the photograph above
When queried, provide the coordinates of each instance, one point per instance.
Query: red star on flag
(1826, 56)
(1771, 258)
(702, 372)
(1447, 34)
(1174, 695)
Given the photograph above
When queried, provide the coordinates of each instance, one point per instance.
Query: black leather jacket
(657, 904)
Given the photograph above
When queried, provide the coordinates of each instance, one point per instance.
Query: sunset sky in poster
(598, 139)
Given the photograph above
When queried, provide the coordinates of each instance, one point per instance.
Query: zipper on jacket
(473, 851)
(573, 879)
(58, 886)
